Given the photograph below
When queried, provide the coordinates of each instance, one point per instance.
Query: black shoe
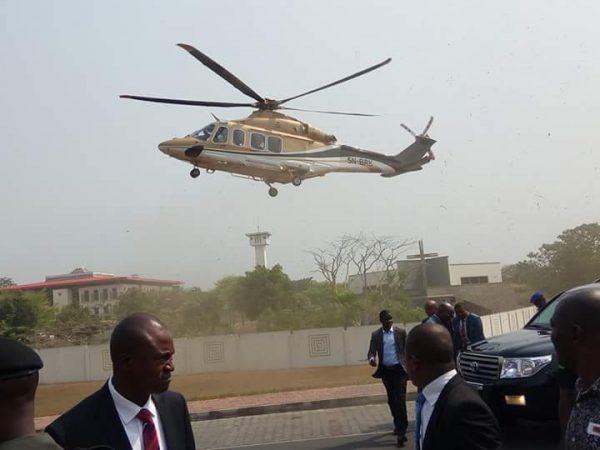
(402, 439)
(395, 432)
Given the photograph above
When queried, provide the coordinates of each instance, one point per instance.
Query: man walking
(450, 415)
(133, 410)
(467, 328)
(576, 338)
(387, 345)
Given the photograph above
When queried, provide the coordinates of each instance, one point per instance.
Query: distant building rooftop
(83, 277)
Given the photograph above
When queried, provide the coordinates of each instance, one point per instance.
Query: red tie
(149, 430)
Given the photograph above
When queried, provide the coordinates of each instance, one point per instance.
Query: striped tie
(420, 400)
(149, 430)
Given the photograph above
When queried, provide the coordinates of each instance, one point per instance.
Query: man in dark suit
(467, 328)
(449, 414)
(133, 410)
(387, 345)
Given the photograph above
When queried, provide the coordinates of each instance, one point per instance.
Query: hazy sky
(513, 86)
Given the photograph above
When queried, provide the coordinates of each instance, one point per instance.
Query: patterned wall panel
(106, 362)
(319, 345)
(214, 352)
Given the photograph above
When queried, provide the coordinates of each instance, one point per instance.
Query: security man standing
(19, 377)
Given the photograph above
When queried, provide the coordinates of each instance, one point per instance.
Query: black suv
(515, 372)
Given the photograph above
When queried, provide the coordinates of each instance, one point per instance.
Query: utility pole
(421, 256)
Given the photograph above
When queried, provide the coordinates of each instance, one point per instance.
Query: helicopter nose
(177, 146)
(167, 147)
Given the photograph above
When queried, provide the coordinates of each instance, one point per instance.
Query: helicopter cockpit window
(204, 133)
(221, 135)
(257, 141)
(238, 137)
(274, 144)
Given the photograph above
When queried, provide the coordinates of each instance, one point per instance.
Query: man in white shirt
(449, 414)
(133, 410)
(387, 345)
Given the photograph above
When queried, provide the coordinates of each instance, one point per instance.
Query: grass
(54, 399)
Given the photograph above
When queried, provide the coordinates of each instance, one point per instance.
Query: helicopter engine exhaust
(194, 152)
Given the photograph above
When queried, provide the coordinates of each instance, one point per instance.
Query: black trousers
(394, 380)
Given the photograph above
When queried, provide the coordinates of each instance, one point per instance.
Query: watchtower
(259, 241)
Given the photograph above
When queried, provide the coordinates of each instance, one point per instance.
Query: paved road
(355, 427)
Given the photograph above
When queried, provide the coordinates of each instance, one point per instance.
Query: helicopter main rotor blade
(222, 72)
(329, 112)
(349, 77)
(174, 101)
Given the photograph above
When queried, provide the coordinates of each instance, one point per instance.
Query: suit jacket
(474, 329)
(376, 347)
(461, 421)
(95, 421)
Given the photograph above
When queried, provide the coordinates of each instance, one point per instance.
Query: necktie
(149, 434)
(463, 333)
(420, 400)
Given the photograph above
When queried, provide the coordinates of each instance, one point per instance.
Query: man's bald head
(141, 349)
(429, 353)
(581, 306)
(132, 333)
(445, 312)
(431, 343)
(575, 329)
(430, 307)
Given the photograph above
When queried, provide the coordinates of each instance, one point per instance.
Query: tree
(6, 281)
(365, 254)
(376, 254)
(573, 259)
(261, 289)
(76, 325)
(332, 259)
(23, 313)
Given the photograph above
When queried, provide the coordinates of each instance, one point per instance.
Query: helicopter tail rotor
(423, 133)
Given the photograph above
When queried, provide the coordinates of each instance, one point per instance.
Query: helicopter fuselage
(274, 148)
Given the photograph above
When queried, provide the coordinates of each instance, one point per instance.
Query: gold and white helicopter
(271, 147)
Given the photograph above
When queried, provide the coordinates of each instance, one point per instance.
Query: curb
(292, 407)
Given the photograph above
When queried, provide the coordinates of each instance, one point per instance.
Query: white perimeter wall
(254, 351)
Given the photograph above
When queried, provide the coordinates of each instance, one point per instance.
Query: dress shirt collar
(433, 390)
(126, 409)
(391, 330)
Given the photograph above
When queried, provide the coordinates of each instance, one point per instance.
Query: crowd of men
(135, 410)
(452, 416)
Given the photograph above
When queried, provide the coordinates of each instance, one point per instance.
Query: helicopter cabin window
(221, 135)
(257, 141)
(239, 137)
(274, 144)
(204, 133)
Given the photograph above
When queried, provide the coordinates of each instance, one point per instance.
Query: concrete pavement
(250, 405)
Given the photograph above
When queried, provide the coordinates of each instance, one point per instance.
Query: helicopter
(272, 147)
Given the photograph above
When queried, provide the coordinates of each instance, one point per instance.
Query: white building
(475, 273)
(96, 291)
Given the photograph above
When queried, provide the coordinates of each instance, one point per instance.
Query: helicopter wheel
(195, 172)
(297, 181)
(273, 192)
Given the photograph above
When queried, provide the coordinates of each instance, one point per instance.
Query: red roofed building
(94, 290)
